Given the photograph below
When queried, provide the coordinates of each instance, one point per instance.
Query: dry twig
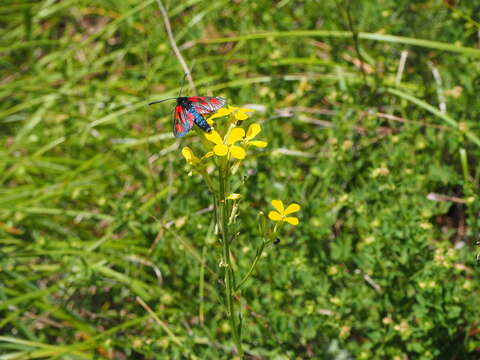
(176, 50)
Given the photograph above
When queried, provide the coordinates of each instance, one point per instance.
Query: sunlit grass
(98, 214)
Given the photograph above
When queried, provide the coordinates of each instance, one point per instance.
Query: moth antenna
(159, 101)
(183, 83)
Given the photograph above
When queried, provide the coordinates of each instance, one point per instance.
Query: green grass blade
(446, 118)
(430, 44)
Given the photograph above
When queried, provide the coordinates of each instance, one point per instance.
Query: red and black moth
(190, 110)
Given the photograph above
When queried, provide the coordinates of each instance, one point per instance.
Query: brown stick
(177, 52)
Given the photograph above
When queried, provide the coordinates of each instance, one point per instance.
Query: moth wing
(182, 121)
(207, 104)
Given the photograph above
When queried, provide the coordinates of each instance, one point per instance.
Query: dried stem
(176, 50)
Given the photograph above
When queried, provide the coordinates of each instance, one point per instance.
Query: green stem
(208, 180)
(464, 162)
(267, 240)
(229, 273)
(202, 285)
(252, 267)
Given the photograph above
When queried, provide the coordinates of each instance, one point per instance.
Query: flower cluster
(234, 143)
(231, 142)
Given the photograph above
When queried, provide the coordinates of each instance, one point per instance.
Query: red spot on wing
(204, 104)
(214, 101)
(178, 128)
(194, 98)
(190, 116)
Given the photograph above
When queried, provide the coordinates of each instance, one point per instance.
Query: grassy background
(97, 208)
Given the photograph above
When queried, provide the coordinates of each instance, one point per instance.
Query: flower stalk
(229, 276)
(228, 150)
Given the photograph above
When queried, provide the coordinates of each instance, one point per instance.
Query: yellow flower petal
(291, 220)
(214, 137)
(292, 208)
(253, 130)
(278, 205)
(187, 153)
(260, 144)
(224, 111)
(240, 113)
(235, 135)
(220, 150)
(233, 196)
(221, 113)
(237, 152)
(275, 216)
(240, 116)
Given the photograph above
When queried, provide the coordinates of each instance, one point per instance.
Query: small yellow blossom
(403, 327)
(332, 270)
(220, 113)
(387, 320)
(336, 301)
(190, 156)
(227, 146)
(281, 213)
(240, 113)
(467, 285)
(345, 331)
(254, 130)
(381, 171)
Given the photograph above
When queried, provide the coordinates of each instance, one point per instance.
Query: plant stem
(252, 267)
(266, 240)
(175, 48)
(201, 313)
(229, 273)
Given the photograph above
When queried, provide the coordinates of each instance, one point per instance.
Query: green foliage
(97, 209)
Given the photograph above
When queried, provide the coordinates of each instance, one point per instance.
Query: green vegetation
(108, 247)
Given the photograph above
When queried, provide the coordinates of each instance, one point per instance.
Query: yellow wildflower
(227, 146)
(281, 213)
(190, 156)
(254, 130)
(240, 113)
(219, 113)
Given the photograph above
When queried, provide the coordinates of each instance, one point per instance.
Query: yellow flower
(190, 156)
(281, 213)
(254, 130)
(239, 113)
(227, 146)
(220, 113)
